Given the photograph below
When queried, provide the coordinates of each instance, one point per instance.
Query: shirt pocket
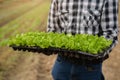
(90, 18)
(63, 18)
(62, 14)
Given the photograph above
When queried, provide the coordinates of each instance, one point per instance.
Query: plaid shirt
(97, 17)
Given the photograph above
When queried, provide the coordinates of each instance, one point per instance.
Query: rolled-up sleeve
(109, 22)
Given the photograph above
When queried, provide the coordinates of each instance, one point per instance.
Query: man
(97, 17)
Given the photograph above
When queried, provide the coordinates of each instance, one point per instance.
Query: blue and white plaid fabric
(97, 17)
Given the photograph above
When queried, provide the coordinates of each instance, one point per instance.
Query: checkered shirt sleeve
(109, 22)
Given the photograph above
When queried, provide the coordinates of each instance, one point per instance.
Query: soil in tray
(51, 50)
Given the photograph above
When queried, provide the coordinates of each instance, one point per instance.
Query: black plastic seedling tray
(50, 51)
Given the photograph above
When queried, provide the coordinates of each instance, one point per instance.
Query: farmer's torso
(75, 16)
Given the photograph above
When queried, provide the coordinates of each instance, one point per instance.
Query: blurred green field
(28, 15)
(29, 21)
